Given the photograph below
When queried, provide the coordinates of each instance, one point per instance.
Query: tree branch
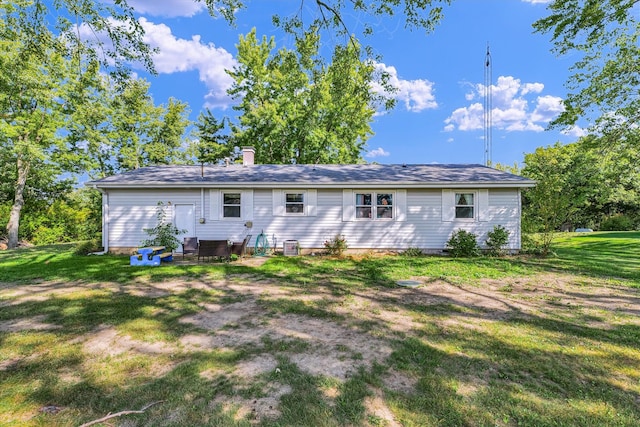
(334, 12)
(121, 413)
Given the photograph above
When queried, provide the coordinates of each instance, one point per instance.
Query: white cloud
(416, 95)
(378, 152)
(575, 131)
(168, 8)
(532, 87)
(547, 108)
(510, 101)
(467, 118)
(179, 55)
(537, 1)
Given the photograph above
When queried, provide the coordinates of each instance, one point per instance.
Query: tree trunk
(14, 216)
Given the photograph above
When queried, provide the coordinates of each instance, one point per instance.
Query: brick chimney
(248, 156)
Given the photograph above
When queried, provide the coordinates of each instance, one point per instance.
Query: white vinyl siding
(131, 211)
(419, 217)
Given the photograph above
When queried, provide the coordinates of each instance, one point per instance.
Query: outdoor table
(148, 256)
(151, 250)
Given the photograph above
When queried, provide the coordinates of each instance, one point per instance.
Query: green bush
(497, 240)
(617, 223)
(531, 245)
(463, 244)
(336, 245)
(44, 235)
(88, 246)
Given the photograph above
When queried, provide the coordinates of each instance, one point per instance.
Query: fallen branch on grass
(121, 413)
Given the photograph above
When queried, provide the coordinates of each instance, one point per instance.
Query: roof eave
(267, 185)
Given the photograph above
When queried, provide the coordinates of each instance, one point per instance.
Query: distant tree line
(587, 184)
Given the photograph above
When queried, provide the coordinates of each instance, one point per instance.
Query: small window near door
(294, 203)
(231, 205)
(464, 205)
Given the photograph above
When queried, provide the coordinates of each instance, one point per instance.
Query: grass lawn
(316, 341)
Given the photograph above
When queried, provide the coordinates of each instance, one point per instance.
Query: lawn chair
(240, 248)
(189, 246)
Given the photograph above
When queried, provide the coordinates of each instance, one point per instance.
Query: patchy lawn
(323, 342)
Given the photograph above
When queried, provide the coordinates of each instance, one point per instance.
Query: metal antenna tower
(488, 106)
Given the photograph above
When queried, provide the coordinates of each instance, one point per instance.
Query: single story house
(374, 206)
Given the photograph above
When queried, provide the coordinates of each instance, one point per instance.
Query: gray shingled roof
(263, 176)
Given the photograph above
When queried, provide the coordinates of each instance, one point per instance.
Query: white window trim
(374, 204)
(216, 205)
(474, 218)
(480, 205)
(303, 212)
(222, 205)
(309, 200)
(399, 202)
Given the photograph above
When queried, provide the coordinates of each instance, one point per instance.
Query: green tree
(553, 201)
(61, 25)
(116, 126)
(212, 145)
(167, 145)
(425, 14)
(53, 106)
(617, 189)
(295, 108)
(581, 185)
(142, 133)
(604, 86)
(31, 103)
(40, 53)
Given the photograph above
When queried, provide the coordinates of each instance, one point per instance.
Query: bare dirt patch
(35, 323)
(256, 410)
(215, 316)
(376, 406)
(107, 341)
(18, 294)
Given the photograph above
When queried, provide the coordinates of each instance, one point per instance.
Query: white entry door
(185, 219)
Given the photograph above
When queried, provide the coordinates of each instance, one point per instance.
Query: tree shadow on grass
(472, 367)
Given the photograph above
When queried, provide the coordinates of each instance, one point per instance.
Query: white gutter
(435, 185)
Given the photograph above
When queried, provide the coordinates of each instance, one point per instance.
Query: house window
(231, 205)
(384, 207)
(374, 205)
(294, 203)
(363, 205)
(464, 205)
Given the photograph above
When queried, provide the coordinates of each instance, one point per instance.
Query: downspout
(519, 235)
(201, 205)
(105, 218)
(202, 220)
(107, 221)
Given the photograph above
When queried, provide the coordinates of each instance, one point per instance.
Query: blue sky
(439, 76)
